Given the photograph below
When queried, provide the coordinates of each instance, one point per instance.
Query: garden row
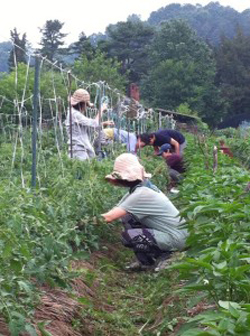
(42, 230)
(217, 267)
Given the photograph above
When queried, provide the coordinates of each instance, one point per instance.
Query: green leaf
(227, 304)
(200, 263)
(41, 326)
(7, 251)
(25, 286)
(220, 265)
(31, 330)
(16, 265)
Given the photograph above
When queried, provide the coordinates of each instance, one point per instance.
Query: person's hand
(108, 123)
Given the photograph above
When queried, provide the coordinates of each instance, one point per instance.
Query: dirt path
(105, 300)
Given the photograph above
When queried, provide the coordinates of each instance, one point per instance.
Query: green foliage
(128, 42)
(231, 319)
(82, 47)
(210, 21)
(52, 39)
(185, 109)
(229, 132)
(182, 71)
(233, 72)
(241, 149)
(12, 89)
(217, 263)
(99, 68)
(41, 231)
(18, 52)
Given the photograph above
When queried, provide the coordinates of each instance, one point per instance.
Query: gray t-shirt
(155, 211)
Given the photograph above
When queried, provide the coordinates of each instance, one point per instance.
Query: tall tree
(52, 39)
(128, 42)
(233, 72)
(100, 68)
(18, 52)
(82, 47)
(182, 70)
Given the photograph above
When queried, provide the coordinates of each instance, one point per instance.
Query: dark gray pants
(141, 240)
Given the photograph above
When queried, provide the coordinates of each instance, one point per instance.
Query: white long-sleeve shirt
(80, 126)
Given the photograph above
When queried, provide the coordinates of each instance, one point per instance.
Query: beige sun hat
(81, 95)
(127, 167)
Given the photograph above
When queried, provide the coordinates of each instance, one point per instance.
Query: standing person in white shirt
(82, 148)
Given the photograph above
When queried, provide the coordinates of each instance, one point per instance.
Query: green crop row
(217, 267)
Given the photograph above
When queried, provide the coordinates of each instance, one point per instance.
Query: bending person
(153, 227)
(123, 137)
(159, 138)
(176, 165)
(81, 145)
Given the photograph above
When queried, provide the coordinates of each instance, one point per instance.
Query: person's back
(156, 211)
(80, 139)
(176, 162)
(164, 136)
(129, 138)
(161, 137)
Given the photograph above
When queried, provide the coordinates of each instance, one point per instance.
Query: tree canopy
(210, 21)
(128, 42)
(233, 72)
(52, 39)
(182, 70)
(18, 52)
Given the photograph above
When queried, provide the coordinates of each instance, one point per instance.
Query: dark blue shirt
(165, 136)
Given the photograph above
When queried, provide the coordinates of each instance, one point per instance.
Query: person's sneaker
(174, 191)
(163, 261)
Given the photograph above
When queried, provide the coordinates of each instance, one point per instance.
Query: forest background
(191, 59)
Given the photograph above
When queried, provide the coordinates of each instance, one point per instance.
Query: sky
(92, 16)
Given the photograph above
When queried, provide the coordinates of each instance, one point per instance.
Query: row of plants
(212, 276)
(43, 229)
(239, 142)
(217, 267)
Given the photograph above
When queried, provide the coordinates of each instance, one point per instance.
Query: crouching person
(153, 228)
(176, 166)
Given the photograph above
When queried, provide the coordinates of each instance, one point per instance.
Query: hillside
(5, 48)
(210, 22)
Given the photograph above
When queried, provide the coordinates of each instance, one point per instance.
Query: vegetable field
(45, 230)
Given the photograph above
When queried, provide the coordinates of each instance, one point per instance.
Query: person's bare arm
(176, 145)
(114, 214)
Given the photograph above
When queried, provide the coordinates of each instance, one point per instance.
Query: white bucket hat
(127, 167)
(81, 95)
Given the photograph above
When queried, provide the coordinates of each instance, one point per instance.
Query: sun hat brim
(79, 96)
(114, 176)
(75, 102)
